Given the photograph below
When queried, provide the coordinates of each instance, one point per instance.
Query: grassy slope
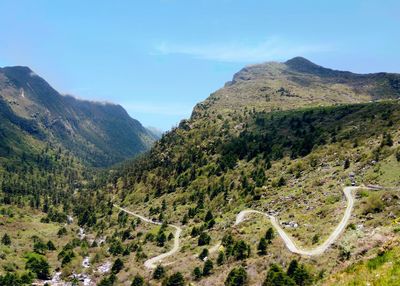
(311, 195)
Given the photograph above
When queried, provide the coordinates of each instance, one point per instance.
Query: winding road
(153, 262)
(290, 244)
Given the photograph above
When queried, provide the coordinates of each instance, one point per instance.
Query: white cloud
(274, 48)
(181, 110)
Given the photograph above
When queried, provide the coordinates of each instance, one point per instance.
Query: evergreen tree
(208, 267)
(237, 277)
(203, 254)
(50, 245)
(161, 238)
(241, 250)
(221, 258)
(204, 239)
(6, 240)
(293, 265)
(38, 265)
(262, 246)
(117, 266)
(175, 279)
(276, 277)
(301, 276)
(138, 280)
(269, 235)
(197, 273)
(159, 272)
(209, 216)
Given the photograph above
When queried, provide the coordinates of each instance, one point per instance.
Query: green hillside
(100, 134)
(283, 139)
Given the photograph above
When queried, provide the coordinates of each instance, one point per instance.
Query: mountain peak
(18, 70)
(303, 65)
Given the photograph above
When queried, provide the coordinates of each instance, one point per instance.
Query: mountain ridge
(100, 133)
(296, 83)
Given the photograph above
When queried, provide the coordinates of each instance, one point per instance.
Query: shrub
(241, 250)
(40, 247)
(276, 277)
(203, 254)
(108, 281)
(62, 231)
(161, 238)
(262, 246)
(159, 272)
(237, 277)
(117, 266)
(208, 267)
(175, 279)
(269, 235)
(398, 155)
(374, 204)
(137, 280)
(38, 265)
(197, 273)
(50, 245)
(377, 261)
(221, 258)
(6, 240)
(204, 239)
(315, 239)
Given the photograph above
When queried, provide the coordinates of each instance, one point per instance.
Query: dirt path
(291, 245)
(153, 262)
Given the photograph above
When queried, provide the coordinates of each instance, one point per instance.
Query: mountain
(157, 132)
(295, 143)
(281, 138)
(298, 83)
(100, 134)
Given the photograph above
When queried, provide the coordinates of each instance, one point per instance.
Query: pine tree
(221, 258)
(175, 280)
(292, 267)
(237, 277)
(161, 238)
(208, 267)
(203, 254)
(262, 246)
(209, 216)
(138, 280)
(6, 240)
(197, 273)
(269, 235)
(159, 272)
(117, 266)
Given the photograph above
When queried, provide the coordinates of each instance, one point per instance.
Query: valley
(288, 175)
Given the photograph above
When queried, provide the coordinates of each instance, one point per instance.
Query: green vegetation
(262, 143)
(237, 277)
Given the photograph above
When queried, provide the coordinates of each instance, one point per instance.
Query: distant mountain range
(100, 134)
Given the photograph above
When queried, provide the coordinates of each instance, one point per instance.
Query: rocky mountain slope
(100, 134)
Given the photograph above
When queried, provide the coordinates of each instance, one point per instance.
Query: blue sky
(159, 58)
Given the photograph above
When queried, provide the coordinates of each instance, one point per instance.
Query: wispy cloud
(274, 48)
(177, 109)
